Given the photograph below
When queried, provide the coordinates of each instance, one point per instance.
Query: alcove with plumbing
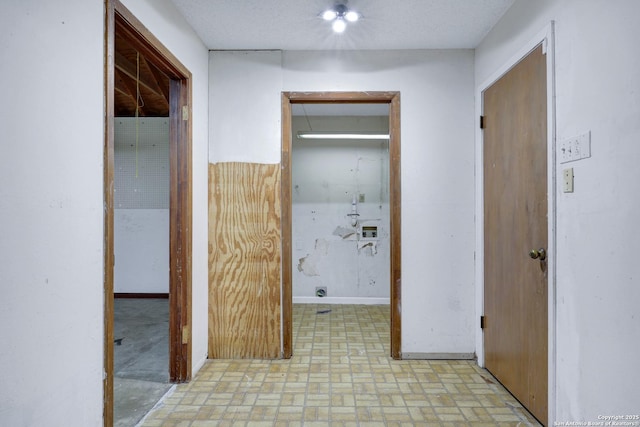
(340, 203)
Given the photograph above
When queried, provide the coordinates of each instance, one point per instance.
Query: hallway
(340, 375)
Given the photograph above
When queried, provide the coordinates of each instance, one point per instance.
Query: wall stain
(309, 265)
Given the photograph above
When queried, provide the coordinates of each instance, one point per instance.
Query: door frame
(393, 100)
(119, 18)
(546, 37)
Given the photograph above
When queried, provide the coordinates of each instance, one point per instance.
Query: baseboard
(197, 366)
(438, 356)
(140, 295)
(341, 300)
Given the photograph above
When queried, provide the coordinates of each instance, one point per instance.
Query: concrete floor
(141, 357)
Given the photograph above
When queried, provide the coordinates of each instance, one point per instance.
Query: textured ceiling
(386, 24)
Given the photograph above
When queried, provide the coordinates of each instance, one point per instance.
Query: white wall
(141, 201)
(328, 251)
(51, 199)
(141, 246)
(437, 162)
(244, 87)
(597, 292)
(166, 23)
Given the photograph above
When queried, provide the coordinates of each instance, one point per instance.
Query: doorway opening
(161, 86)
(340, 225)
(141, 247)
(390, 100)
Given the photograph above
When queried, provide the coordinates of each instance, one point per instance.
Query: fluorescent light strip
(335, 135)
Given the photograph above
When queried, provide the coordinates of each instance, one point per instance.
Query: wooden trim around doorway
(180, 219)
(108, 168)
(118, 19)
(393, 99)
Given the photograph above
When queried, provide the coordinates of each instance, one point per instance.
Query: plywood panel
(244, 261)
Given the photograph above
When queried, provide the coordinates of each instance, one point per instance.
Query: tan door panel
(515, 224)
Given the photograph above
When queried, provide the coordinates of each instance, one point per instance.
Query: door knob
(540, 254)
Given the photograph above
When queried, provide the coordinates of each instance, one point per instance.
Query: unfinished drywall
(141, 246)
(330, 250)
(437, 162)
(596, 285)
(166, 23)
(141, 201)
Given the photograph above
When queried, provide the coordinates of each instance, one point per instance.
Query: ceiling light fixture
(340, 14)
(341, 135)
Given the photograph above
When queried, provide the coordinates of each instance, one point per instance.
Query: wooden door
(515, 222)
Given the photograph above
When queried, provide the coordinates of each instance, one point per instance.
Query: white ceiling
(386, 24)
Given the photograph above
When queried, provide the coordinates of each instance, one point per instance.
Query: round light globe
(329, 15)
(339, 25)
(352, 16)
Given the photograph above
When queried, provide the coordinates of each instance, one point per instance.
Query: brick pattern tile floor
(340, 375)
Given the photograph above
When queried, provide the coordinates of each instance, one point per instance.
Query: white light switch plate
(576, 148)
(567, 180)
